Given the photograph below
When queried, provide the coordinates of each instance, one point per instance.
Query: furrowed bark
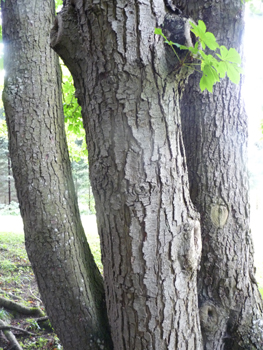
(215, 137)
(69, 280)
(129, 90)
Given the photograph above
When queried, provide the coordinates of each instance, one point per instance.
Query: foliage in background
(10, 209)
(58, 3)
(73, 119)
(3, 129)
(255, 6)
(77, 145)
(7, 188)
(80, 172)
(213, 68)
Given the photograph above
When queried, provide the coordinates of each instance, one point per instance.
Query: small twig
(14, 328)
(35, 296)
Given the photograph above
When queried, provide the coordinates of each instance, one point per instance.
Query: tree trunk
(215, 138)
(68, 278)
(129, 93)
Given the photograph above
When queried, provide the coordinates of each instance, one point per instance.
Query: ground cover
(19, 288)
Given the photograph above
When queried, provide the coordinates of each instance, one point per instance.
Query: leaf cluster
(213, 67)
(73, 120)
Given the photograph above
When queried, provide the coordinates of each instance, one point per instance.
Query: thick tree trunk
(149, 232)
(69, 281)
(215, 137)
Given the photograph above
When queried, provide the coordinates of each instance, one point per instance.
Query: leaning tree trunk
(215, 137)
(68, 278)
(129, 92)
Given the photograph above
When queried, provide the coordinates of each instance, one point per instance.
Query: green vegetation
(213, 68)
(18, 284)
(11, 209)
(73, 119)
(77, 151)
(255, 6)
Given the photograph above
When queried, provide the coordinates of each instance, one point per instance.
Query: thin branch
(35, 297)
(7, 327)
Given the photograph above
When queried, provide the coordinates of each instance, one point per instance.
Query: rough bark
(129, 90)
(215, 138)
(69, 281)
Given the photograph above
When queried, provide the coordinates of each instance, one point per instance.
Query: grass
(94, 243)
(17, 282)
(15, 267)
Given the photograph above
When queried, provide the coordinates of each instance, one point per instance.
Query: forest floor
(18, 285)
(17, 282)
(19, 288)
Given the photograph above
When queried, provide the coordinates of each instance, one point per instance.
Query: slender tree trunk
(68, 278)
(215, 137)
(149, 232)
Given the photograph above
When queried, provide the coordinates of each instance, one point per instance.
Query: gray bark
(130, 88)
(68, 278)
(129, 92)
(215, 137)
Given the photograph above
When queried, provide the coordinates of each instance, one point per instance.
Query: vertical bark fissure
(69, 280)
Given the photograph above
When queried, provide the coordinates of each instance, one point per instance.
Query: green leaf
(233, 56)
(209, 78)
(210, 41)
(230, 55)
(233, 73)
(208, 60)
(222, 68)
(211, 73)
(206, 83)
(199, 30)
(206, 38)
(158, 31)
